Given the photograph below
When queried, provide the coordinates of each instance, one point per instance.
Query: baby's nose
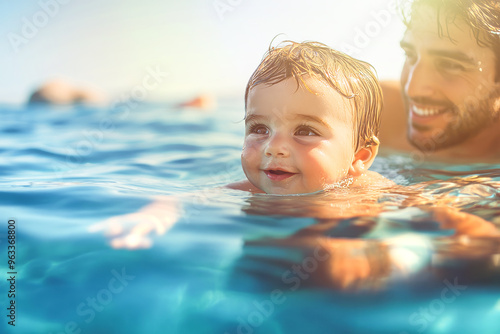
(277, 147)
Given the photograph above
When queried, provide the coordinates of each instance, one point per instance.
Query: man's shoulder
(393, 119)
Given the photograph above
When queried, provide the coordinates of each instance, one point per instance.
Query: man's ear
(496, 108)
(363, 159)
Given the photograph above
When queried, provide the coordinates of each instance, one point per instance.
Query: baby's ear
(364, 157)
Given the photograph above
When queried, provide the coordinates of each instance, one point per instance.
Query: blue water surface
(233, 262)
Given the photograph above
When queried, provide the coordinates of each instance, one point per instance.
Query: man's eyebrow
(457, 55)
(405, 45)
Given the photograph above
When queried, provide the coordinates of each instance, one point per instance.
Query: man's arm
(463, 223)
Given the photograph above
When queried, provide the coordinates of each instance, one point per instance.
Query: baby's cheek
(250, 153)
(325, 167)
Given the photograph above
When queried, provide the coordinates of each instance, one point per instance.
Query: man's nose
(419, 79)
(277, 146)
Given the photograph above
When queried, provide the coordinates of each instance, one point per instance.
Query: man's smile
(428, 110)
(423, 115)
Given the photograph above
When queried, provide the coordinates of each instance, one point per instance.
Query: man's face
(447, 84)
(297, 141)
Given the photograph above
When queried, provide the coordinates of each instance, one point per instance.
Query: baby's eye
(305, 131)
(259, 129)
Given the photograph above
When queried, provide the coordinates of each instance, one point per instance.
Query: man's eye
(410, 55)
(305, 131)
(449, 66)
(259, 129)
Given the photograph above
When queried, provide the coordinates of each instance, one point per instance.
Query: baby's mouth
(278, 174)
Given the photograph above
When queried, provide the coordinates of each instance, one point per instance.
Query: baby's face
(297, 141)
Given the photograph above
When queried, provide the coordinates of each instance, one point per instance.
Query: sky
(193, 46)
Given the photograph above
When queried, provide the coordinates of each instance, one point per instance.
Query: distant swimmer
(202, 101)
(61, 92)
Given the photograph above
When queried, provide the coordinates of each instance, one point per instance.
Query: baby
(312, 117)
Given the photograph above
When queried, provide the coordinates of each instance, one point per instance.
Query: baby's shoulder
(371, 179)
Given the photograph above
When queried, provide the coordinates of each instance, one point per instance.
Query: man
(448, 106)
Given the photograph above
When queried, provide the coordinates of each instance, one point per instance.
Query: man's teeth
(426, 111)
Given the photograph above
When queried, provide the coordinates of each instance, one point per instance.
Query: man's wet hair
(482, 16)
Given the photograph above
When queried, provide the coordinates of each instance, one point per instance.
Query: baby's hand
(133, 230)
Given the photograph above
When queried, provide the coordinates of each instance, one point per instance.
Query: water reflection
(366, 241)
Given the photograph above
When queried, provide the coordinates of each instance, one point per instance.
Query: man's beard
(465, 121)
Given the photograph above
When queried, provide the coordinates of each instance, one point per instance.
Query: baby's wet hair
(353, 79)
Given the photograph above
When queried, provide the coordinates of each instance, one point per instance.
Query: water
(233, 262)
